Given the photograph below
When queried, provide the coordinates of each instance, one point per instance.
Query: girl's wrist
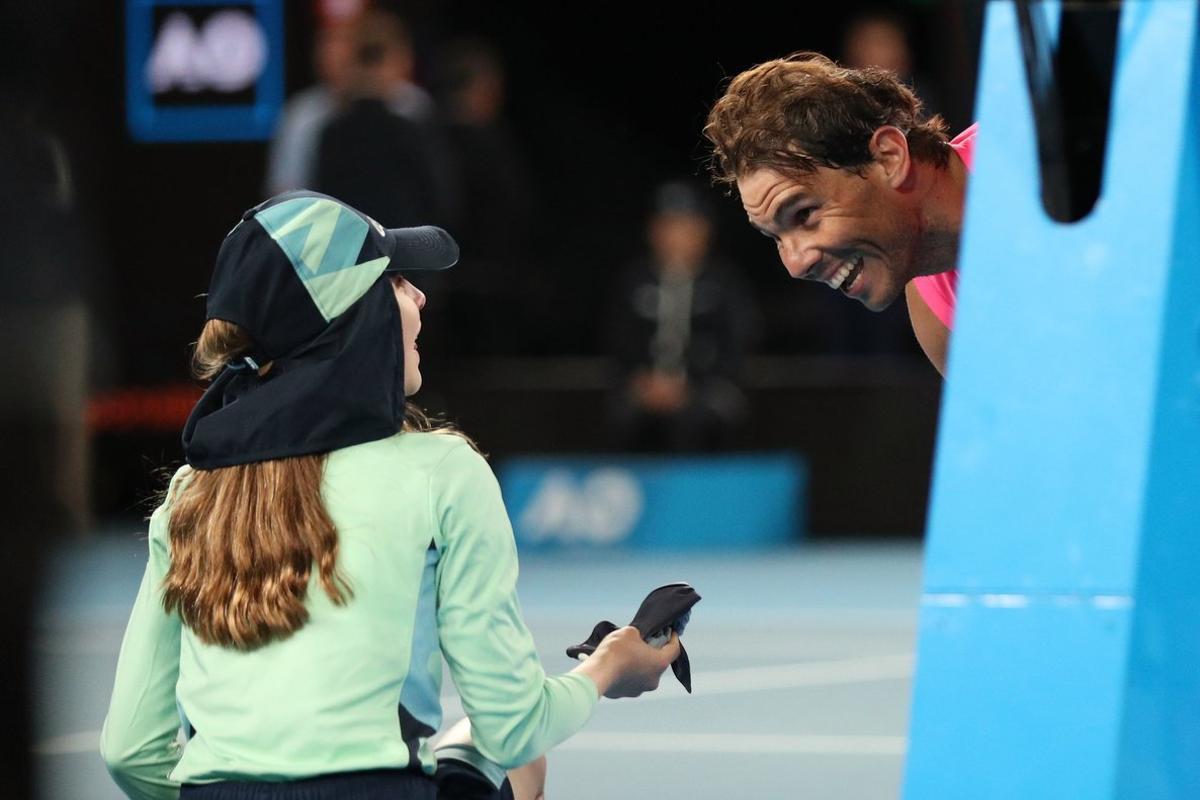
(599, 669)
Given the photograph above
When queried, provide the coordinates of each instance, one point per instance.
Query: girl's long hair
(245, 539)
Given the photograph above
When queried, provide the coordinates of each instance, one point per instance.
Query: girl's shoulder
(178, 483)
(411, 450)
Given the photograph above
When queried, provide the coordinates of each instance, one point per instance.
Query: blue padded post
(1059, 652)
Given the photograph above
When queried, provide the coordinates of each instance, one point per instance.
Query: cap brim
(422, 248)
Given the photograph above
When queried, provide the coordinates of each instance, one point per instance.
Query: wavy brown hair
(245, 538)
(798, 113)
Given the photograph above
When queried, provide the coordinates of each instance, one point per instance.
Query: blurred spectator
(292, 153)
(384, 153)
(496, 213)
(44, 358)
(879, 38)
(44, 321)
(680, 328)
(492, 173)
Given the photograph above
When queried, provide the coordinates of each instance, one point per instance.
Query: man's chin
(879, 301)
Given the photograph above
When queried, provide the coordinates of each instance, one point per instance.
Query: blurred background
(644, 375)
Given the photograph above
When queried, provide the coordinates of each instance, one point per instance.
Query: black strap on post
(1070, 85)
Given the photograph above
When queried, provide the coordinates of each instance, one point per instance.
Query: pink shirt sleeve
(938, 291)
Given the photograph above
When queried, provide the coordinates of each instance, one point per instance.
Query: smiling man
(855, 185)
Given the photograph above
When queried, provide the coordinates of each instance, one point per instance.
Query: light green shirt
(428, 551)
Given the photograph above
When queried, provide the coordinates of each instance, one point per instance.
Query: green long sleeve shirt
(428, 551)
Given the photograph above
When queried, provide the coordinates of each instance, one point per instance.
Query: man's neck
(942, 215)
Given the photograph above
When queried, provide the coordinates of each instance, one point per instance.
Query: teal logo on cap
(322, 239)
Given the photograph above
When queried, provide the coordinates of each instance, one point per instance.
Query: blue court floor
(801, 658)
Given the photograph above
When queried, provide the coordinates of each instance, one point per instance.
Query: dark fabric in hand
(668, 608)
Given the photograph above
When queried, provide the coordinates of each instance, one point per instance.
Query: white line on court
(799, 675)
(735, 743)
(896, 666)
(68, 744)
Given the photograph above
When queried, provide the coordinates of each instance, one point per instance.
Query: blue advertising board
(656, 502)
(203, 70)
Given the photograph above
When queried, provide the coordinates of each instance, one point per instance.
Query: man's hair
(798, 113)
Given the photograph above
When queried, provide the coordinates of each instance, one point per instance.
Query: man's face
(855, 233)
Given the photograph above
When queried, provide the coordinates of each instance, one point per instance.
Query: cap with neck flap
(303, 275)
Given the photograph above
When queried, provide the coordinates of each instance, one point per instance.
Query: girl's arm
(139, 740)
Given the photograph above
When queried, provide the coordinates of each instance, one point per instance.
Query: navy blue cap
(298, 260)
(302, 274)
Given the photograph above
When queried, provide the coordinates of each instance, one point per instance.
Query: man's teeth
(844, 272)
(851, 268)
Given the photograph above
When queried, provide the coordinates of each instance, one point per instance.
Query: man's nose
(797, 257)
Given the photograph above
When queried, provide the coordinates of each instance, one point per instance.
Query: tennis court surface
(802, 661)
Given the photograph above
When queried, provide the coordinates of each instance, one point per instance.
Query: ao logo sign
(227, 53)
(602, 507)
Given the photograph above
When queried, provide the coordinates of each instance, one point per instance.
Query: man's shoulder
(939, 293)
(964, 144)
(966, 134)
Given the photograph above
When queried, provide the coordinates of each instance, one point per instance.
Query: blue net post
(1059, 645)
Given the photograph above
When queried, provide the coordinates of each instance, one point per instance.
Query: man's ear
(889, 149)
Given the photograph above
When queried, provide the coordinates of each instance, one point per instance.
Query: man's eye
(770, 236)
(803, 215)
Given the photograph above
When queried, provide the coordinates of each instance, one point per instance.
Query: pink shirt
(938, 290)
